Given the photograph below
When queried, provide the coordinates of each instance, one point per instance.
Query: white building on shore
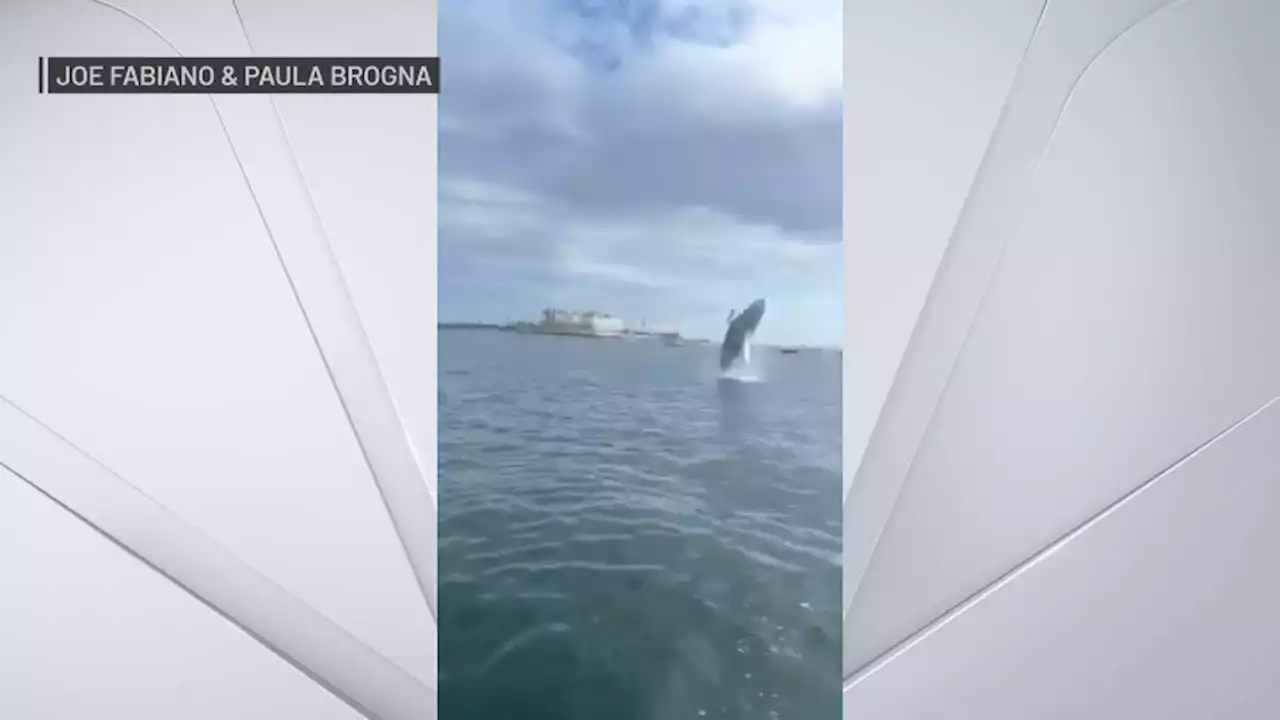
(590, 323)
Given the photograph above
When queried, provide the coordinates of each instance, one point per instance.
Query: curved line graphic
(1046, 552)
(388, 474)
(980, 308)
(930, 296)
(287, 626)
(320, 224)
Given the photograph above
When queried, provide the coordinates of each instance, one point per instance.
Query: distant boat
(789, 351)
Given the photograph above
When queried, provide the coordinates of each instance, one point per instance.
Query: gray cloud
(677, 164)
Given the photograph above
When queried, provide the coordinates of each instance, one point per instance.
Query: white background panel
(1163, 609)
(928, 79)
(86, 631)
(1068, 38)
(145, 317)
(1125, 326)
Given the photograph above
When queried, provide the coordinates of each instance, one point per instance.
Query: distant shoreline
(468, 326)
(785, 349)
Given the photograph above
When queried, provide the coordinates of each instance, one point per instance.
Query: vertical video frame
(640, 332)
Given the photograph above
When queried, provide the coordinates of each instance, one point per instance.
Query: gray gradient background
(143, 316)
(1065, 507)
(1062, 403)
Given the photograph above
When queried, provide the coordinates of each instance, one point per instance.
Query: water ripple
(622, 536)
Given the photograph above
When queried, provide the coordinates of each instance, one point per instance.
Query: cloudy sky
(662, 160)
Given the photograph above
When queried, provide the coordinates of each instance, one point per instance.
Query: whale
(737, 337)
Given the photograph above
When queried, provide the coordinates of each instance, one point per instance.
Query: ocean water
(624, 535)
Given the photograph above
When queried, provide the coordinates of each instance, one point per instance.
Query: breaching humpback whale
(737, 339)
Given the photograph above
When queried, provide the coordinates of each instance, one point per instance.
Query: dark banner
(243, 75)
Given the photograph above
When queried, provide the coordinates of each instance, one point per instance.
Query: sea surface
(624, 534)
